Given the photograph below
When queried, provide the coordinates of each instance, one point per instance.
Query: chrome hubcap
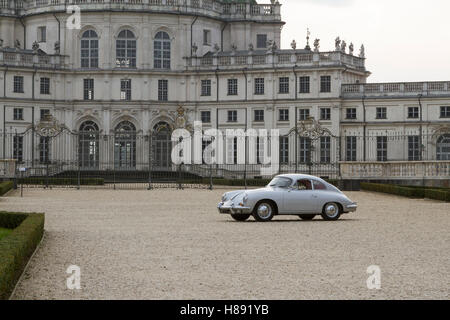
(264, 211)
(331, 210)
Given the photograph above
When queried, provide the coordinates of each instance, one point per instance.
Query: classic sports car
(291, 194)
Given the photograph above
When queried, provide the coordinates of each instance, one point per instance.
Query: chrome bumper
(351, 207)
(223, 209)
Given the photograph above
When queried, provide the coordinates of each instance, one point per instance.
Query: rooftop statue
(337, 44)
(250, 47)
(57, 47)
(35, 46)
(351, 48)
(272, 45)
(343, 46)
(1, 43)
(294, 44)
(17, 44)
(194, 49)
(316, 45)
(362, 52)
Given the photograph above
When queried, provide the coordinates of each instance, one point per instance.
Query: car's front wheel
(331, 211)
(264, 211)
(307, 217)
(240, 217)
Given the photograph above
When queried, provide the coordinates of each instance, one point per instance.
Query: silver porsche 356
(291, 194)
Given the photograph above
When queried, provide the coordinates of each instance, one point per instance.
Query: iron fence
(127, 159)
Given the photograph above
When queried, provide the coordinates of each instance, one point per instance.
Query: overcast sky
(405, 40)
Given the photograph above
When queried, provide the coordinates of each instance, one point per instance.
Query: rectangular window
(260, 145)
(303, 114)
(18, 148)
(125, 89)
(44, 114)
(284, 115)
(284, 150)
(45, 85)
(325, 84)
(18, 114)
(305, 150)
(206, 116)
(206, 88)
(414, 148)
(381, 113)
(413, 112)
(88, 88)
(163, 90)
(382, 148)
(351, 114)
(325, 149)
(232, 87)
(259, 86)
(41, 34)
(44, 150)
(18, 84)
(284, 85)
(261, 41)
(304, 85)
(325, 114)
(206, 37)
(351, 148)
(232, 150)
(259, 115)
(232, 116)
(445, 112)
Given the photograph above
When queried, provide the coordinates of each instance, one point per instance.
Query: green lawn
(4, 232)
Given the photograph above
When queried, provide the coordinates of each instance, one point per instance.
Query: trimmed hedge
(407, 191)
(17, 248)
(62, 181)
(5, 187)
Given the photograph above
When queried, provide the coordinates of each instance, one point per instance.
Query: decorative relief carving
(49, 127)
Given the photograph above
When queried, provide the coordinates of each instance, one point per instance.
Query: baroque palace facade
(140, 68)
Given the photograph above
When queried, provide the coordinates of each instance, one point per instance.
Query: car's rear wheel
(264, 211)
(331, 211)
(307, 217)
(240, 217)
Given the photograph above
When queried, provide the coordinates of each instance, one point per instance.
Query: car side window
(304, 184)
(319, 185)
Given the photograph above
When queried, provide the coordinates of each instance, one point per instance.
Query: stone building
(115, 87)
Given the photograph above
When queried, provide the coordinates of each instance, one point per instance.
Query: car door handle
(315, 197)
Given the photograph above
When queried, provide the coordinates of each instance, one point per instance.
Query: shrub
(438, 194)
(5, 187)
(62, 181)
(17, 248)
(407, 191)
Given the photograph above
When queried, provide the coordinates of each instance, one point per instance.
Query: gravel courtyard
(169, 244)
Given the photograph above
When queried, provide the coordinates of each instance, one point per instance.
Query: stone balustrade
(395, 170)
(29, 59)
(212, 8)
(280, 58)
(395, 89)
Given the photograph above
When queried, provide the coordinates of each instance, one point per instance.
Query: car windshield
(280, 182)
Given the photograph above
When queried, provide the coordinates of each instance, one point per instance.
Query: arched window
(88, 145)
(443, 147)
(162, 51)
(89, 49)
(125, 146)
(126, 49)
(162, 146)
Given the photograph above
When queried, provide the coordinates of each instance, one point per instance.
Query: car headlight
(224, 197)
(245, 199)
